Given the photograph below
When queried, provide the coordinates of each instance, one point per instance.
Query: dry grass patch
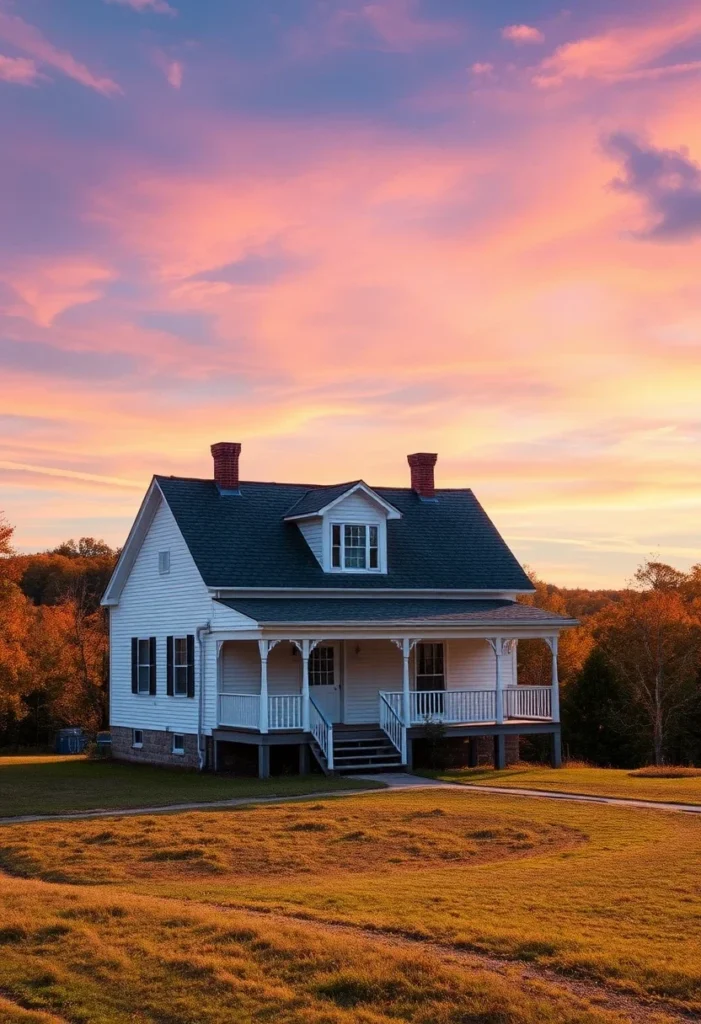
(666, 772)
(91, 956)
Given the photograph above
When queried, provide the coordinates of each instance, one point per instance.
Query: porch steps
(360, 750)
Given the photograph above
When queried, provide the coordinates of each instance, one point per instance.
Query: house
(334, 621)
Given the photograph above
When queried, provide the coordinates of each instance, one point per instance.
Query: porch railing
(243, 710)
(528, 702)
(322, 731)
(460, 707)
(391, 724)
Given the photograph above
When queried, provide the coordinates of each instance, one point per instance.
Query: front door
(430, 677)
(325, 680)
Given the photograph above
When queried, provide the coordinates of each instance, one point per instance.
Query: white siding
(240, 670)
(153, 605)
(356, 508)
(471, 664)
(311, 530)
(377, 667)
(284, 669)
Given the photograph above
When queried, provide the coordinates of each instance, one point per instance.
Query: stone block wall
(485, 749)
(157, 748)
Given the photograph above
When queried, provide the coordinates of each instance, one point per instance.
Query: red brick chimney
(226, 464)
(422, 464)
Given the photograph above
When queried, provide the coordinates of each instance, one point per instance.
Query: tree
(653, 644)
(534, 656)
(86, 547)
(6, 532)
(653, 575)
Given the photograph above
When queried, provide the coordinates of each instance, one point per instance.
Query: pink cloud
(522, 34)
(30, 41)
(482, 69)
(18, 70)
(142, 6)
(622, 52)
(172, 69)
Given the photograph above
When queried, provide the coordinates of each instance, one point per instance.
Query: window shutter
(152, 674)
(190, 665)
(134, 665)
(169, 659)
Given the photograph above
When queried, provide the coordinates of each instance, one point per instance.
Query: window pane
(180, 645)
(373, 536)
(355, 553)
(144, 652)
(321, 666)
(180, 679)
(144, 678)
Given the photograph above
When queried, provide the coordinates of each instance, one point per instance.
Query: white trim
(392, 512)
(179, 751)
(140, 527)
(380, 547)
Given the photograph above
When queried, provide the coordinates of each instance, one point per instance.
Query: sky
(341, 231)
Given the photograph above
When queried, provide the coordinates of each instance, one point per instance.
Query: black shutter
(152, 673)
(169, 662)
(134, 665)
(190, 665)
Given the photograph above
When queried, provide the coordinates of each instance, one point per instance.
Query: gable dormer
(345, 527)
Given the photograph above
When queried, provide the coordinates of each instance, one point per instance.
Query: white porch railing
(322, 731)
(528, 702)
(391, 724)
(462, 707)
(243, 710)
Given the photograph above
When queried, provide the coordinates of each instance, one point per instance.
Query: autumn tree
(534, 657)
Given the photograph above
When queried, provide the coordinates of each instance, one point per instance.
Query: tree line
(630, 673)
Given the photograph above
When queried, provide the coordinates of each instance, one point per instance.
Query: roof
(390, 611)
(319, 499)
(243, 541)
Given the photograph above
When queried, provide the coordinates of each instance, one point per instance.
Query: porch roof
(391, 612)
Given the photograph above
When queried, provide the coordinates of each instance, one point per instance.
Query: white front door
(325, 680)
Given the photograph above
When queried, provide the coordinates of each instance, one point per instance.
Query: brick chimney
(226, 464)
(422, 464)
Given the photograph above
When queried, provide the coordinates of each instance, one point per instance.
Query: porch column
(554, 683)
(264, 647)
(406, 695)
(305, 684)
(496, 643)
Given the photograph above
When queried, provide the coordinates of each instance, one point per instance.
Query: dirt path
(636, 1009)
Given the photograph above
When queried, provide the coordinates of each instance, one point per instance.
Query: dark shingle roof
(243, 541)
(317, 498)
(400, 611)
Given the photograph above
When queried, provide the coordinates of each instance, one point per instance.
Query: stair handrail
(322, 731)
(393, 726)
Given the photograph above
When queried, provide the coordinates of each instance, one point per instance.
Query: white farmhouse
(336, 621)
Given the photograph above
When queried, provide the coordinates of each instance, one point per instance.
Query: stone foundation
(157, 748)
(485, 749)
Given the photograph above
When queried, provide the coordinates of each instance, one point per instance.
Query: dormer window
(355, 547)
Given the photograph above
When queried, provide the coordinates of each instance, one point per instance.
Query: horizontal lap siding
(240, 668)
(312, 532)
(356, 509)
(174, 604)
(284, 669)
(377, 667)
(471, 665)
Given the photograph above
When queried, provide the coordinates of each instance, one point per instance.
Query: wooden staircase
(359, 748)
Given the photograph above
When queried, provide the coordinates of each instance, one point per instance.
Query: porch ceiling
(397, 612)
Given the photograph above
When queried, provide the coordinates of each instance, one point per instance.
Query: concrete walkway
(415, 782)
(392, 781)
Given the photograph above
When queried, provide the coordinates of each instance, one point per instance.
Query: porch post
(264, 647)
(554, 684)
(305, 685)
(406, 695)
(496, 644)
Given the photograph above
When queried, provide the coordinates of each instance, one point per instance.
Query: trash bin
(71, 741)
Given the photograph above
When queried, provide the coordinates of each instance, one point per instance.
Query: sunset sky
(341, 231)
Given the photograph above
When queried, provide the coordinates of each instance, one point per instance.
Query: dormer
(345, 526)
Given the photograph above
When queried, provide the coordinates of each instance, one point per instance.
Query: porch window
(321, 666)
(430, 667)
(355, 547)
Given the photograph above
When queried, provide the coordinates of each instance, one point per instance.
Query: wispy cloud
(144, 6)
(18, 70)
(172, 69)
(520, 34)
(667, 180)
(29, 40)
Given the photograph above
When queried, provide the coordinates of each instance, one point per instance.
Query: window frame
(180, 667)
(322, 674)
(341, 535)
(178, 750)
(419, 650)
(143, 665)
(137, 744)
(164, 562)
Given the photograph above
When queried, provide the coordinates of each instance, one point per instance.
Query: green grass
(589, 781)
(57, 785)
(605, 894)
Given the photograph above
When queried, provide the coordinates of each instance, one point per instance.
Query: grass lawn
(55, 785)
(196, 916)
(594, 781)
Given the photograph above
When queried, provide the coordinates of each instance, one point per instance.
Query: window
(137, 738)
(355, 547)
(180, 664)
(321, 666)
(178, 743)
(164, 562)
(144, 667)
(430, 667)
